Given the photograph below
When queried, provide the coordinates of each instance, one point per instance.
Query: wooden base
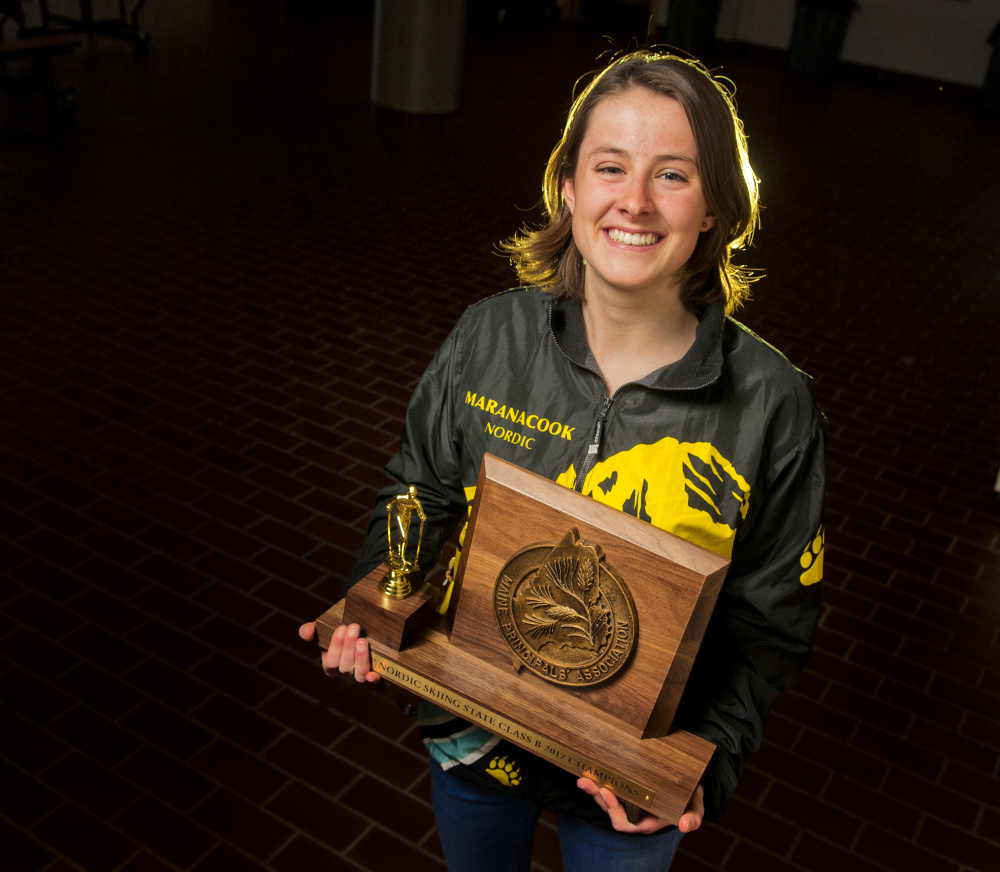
(662, 773)
(391, 622)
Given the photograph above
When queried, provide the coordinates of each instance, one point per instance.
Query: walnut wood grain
(673, 583)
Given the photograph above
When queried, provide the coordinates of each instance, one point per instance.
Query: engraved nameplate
(508, 729)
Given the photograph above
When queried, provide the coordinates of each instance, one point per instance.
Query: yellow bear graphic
(812, 559)
(505, 771)
(685, 488)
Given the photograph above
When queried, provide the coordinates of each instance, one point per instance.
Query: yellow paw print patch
(812, 559)
(504, 771)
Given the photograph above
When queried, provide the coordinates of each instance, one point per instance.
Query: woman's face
(636, 196)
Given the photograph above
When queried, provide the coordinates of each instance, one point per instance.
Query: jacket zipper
(594, 447)
(595, 443)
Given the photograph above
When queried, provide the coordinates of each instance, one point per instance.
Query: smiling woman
(619, 374)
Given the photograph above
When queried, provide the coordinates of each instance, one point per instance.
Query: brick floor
(218, 290)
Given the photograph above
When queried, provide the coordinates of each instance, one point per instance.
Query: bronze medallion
(564, 613)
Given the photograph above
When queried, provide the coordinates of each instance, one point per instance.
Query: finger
(362, 661)
(616, 812)
(689, 823)
(307, 631)
(646, 824)
(347, 655)
(694, 814)
(614, 806)
(331, 657)
(592, 790)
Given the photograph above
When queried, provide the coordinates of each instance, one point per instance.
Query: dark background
(218, 288)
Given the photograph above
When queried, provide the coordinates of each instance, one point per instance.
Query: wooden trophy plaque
(571, 631)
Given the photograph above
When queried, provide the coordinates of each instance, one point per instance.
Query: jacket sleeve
(429, 457)
(761, 632)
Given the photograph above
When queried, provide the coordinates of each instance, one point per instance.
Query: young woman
(618, 371)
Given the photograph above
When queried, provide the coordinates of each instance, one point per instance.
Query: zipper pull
(594, 447)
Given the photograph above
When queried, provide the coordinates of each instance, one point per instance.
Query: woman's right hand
(348, 652)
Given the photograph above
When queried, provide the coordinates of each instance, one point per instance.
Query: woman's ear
(569, 193)
(708, 223)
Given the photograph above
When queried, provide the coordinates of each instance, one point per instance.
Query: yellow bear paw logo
(812, 559)
(505, 772)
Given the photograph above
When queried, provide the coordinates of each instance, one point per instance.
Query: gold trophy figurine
(400, 509)
(391, 611)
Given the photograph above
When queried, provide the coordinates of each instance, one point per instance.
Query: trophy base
(395, 584)
(662, 773)
(385, 619)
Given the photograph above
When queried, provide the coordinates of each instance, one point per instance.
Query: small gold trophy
(389, 610)
(396, 582)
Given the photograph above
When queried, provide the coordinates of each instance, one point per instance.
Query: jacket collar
(699, 368)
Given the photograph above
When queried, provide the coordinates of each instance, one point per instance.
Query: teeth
(633, 238)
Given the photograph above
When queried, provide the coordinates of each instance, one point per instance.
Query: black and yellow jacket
(725, 448)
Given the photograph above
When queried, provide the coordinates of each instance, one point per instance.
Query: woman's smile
(636, 238)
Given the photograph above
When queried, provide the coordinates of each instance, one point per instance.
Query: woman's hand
(348, 652)
(647, 823)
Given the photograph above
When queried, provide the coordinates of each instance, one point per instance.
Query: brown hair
(548, 257)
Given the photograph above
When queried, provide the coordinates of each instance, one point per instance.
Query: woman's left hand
(647, 823)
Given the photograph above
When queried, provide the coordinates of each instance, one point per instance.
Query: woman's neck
(631, 336)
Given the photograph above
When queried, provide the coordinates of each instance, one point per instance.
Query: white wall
(936, 39)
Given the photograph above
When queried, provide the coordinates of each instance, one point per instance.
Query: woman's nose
(635, 199)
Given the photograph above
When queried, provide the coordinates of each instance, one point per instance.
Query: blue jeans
(484, 830)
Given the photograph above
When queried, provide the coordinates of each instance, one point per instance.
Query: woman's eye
(610, 170)
(671, 176)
